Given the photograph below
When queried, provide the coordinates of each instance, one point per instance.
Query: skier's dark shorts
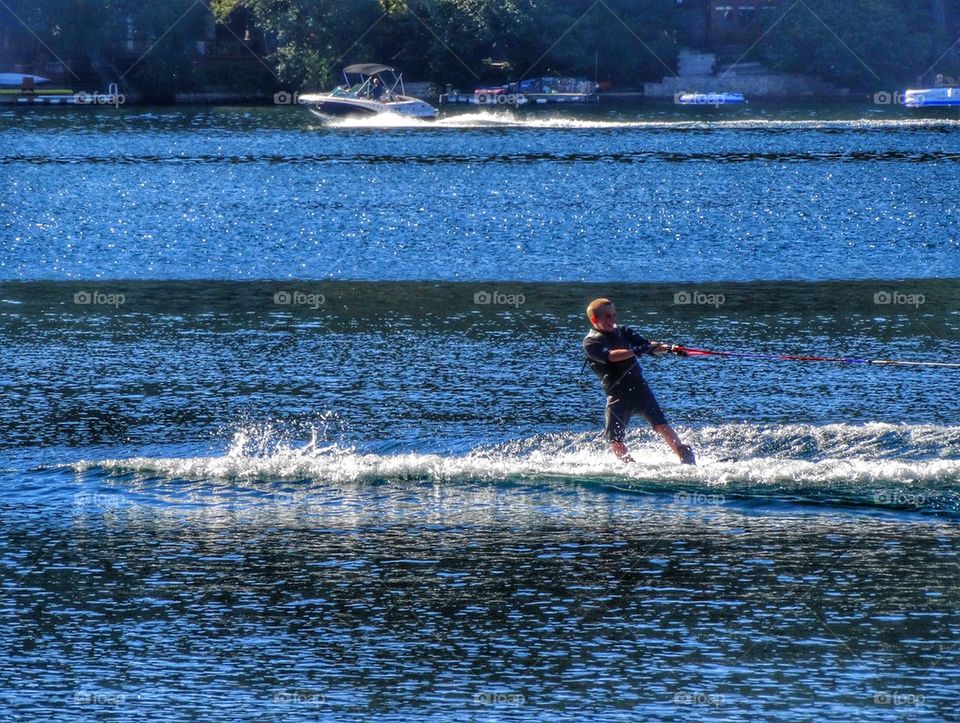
(624, 403)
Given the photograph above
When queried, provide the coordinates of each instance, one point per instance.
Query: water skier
(612, 353)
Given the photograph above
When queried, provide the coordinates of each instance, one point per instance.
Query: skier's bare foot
(620, 449)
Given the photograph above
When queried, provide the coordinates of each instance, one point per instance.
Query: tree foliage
(92, 39)
(857, 43)
(466, 42)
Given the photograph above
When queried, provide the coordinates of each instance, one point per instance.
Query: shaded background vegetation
(158, 48)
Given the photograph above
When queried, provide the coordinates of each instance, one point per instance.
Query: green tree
(455, 40)
(90, 38)
(312, 36)
(863, 44)
(170, 30)
(630, 40)
(467, 41)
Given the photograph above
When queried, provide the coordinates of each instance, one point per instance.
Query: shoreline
(242, 99)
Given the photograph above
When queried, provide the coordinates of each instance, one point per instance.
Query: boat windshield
(388, 81)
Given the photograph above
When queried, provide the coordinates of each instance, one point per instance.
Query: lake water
(293, 424)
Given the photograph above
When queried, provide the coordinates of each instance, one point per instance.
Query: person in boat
(376, 89)
(612, 353)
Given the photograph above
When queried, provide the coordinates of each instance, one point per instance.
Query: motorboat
(932, 97)
(370, 89)
(709, 98)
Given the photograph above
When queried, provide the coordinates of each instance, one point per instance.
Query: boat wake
(380, 120)
(479, 119)
(913, 467)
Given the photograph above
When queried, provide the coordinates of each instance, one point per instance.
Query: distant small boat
(710, 98)
(930, 97)
(17, 79)
(371, 89)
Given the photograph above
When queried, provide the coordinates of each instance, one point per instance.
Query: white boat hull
(328, 105)
(709, 98)
(932, 97)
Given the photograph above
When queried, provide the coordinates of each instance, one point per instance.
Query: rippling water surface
(185, 193)
(293, 424)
